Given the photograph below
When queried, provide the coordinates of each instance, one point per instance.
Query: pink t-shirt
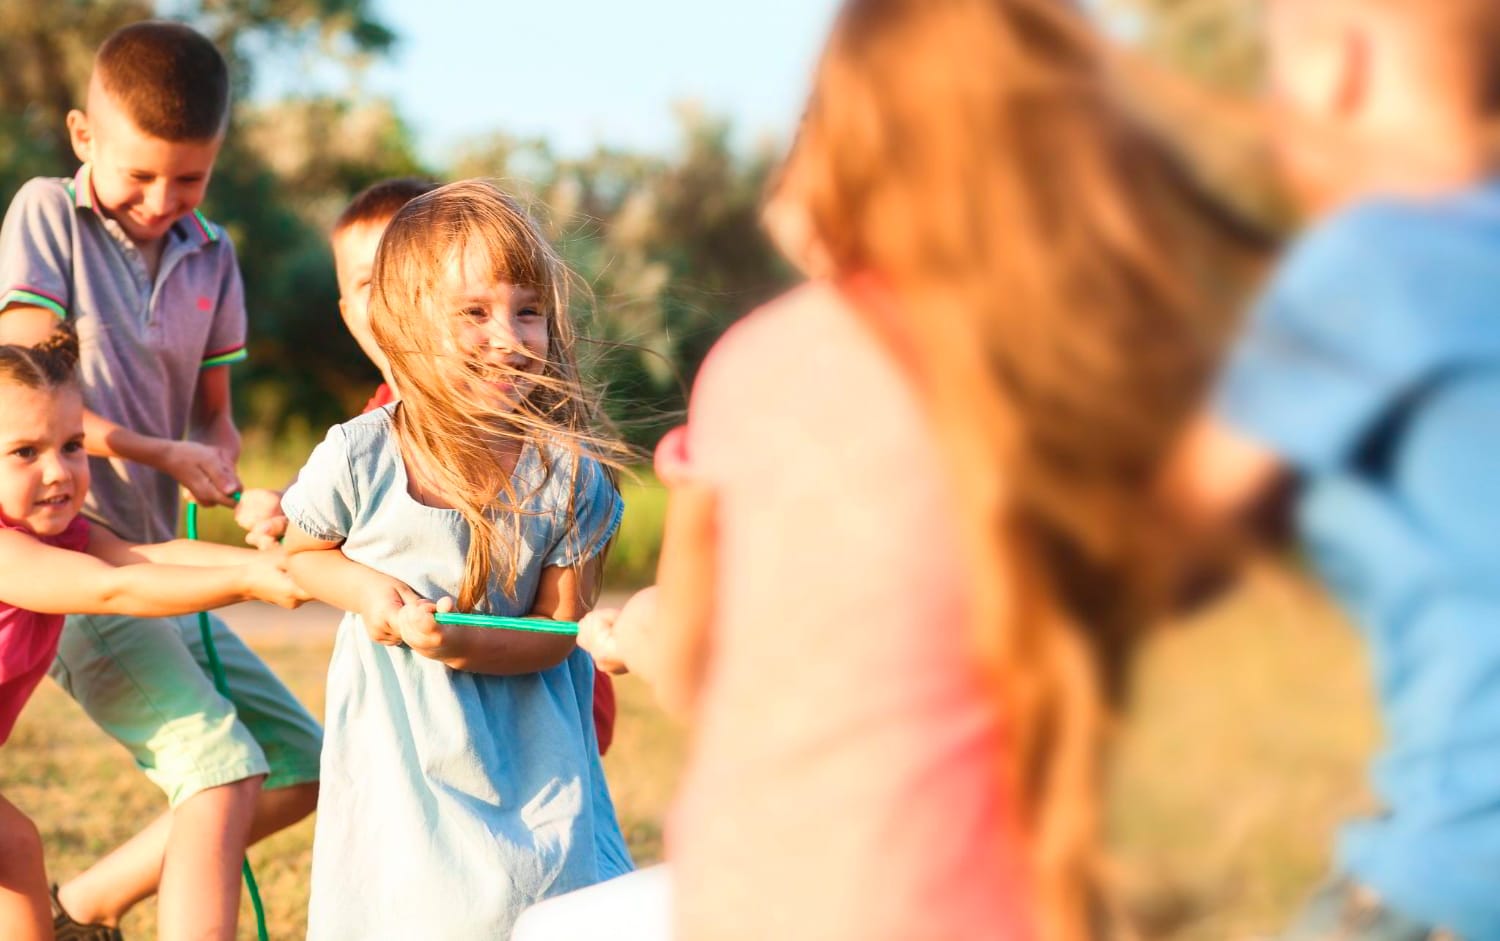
(28, 641)
(845, 780)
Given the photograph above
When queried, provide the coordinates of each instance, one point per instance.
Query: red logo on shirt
(205, 304)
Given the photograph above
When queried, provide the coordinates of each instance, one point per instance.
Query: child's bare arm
(117, 551)
(663, 632)
(685, 578)
(213, 414)
(328, 575)
(49, 580)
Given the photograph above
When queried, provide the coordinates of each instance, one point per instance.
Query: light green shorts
(145, 681)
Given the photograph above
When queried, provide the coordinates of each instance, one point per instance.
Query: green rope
(534, 625)
(221, 683)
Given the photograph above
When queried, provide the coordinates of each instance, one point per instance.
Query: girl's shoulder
(366, 440)
(75, 537)
(559, 471)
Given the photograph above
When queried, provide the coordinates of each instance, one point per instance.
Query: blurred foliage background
(667, 246)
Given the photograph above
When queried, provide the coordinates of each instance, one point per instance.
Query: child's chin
(49, 524)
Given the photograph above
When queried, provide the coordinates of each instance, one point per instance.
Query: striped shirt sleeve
(226, 338)
(36, 248)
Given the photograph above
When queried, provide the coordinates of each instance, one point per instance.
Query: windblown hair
(169, 79)
(1052, 271)
(379, 202)
(447, 433)
(51, 365)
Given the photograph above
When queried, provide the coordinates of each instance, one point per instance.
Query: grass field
(1243, 747)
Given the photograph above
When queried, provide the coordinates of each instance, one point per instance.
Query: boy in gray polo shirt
(154, 291)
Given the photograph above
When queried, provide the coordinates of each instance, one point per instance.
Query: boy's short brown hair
(379, 202)
(168, 78)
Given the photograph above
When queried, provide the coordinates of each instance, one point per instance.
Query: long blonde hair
(449, 435)
(1046, 256)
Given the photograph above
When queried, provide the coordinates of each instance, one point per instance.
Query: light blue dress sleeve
(1329, 350)
(322, 501)
(597, 509)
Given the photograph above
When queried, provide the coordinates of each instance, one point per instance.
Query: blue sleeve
(322, 500)
(36, 248)
(596, 511)
(1329, 350)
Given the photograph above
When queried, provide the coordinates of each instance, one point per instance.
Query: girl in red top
(53, 563)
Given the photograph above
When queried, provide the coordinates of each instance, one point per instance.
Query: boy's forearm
(104, 438)
(220, 432)
(213, 412)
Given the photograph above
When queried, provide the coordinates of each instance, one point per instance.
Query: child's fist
(379, 615)
(596, 634)
(616, 638)
(259, 514)
(421, 632)
(202, 470)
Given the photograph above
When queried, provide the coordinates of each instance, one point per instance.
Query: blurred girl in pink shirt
(907, 544)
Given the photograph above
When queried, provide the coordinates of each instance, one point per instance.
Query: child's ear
(80, 135)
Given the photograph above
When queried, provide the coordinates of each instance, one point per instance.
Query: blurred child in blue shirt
(1371, 372)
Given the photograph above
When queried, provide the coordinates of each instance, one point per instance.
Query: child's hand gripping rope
(419, 629)
(618, 638)
(399, 616)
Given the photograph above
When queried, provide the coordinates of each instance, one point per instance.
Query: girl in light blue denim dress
(461, 775)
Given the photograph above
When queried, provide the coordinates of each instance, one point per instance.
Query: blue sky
(581, 71)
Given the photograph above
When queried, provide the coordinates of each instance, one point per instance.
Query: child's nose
(156, 199)
(502, 334)
(54, 469)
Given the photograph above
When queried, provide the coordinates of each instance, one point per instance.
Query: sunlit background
(644, 134)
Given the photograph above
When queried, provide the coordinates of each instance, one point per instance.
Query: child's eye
(73, 447)
(475, 313)
(141, 177)
(528, 312)
(24, 453)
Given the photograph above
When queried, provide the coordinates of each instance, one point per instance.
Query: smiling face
(499, 331)
(44, 473)
(144, 183)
